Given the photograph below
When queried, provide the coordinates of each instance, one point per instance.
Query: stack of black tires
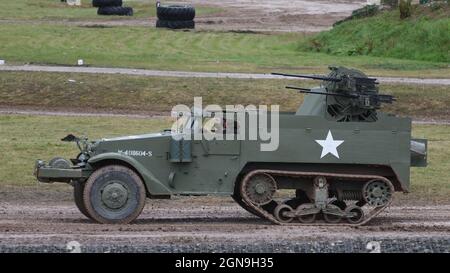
(112, 7)
(175, 16)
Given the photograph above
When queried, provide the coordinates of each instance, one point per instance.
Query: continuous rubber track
(355, 177)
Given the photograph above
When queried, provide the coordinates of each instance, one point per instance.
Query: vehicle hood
(137, 137)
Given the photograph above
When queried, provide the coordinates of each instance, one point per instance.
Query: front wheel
(114, 194)
(78, 191)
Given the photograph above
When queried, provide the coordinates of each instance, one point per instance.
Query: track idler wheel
(306, 213)
(282, 212)
(332, 214)
(377, 193)
(354, 214)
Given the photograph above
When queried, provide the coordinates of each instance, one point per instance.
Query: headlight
(82, 157)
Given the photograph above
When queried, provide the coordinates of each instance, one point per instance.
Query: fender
(154, 186)
(401, 171)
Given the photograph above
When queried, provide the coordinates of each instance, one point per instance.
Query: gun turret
(350, 95)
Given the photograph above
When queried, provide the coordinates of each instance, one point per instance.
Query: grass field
(423, 36)
(145, 47)
(122, 93)
(26, 138)
(30, 37)
(56, 10)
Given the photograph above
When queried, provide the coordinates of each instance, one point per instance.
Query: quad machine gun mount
(344, 95)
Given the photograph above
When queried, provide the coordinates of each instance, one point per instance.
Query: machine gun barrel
(379, 97)
(386, 98)
(309, 91)
(368, 80)
(314, 77)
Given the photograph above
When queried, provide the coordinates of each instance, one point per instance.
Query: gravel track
(212, 224)
(190, 74)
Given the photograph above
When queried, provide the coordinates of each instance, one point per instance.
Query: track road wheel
(307, 218)
(114, 194)
(279, 213)
(332, 218)
(78, 189)
(358, 214)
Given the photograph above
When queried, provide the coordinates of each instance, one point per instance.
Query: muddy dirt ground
(246, 15)
(279, 15)
(46, 221)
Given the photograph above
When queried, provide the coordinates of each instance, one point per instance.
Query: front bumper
(48, 174)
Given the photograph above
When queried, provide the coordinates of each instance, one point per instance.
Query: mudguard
(153, 185)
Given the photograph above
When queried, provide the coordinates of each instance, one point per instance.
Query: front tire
(78, 191)
(114, 194)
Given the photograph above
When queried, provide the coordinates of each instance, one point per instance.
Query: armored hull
(337, 171)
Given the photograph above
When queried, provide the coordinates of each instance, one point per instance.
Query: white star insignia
(329, 145)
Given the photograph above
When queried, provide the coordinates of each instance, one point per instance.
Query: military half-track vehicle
(339, 158)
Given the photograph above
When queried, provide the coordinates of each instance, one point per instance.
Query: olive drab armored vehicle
(338, 162)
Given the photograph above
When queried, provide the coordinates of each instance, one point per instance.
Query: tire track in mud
(215, 224)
